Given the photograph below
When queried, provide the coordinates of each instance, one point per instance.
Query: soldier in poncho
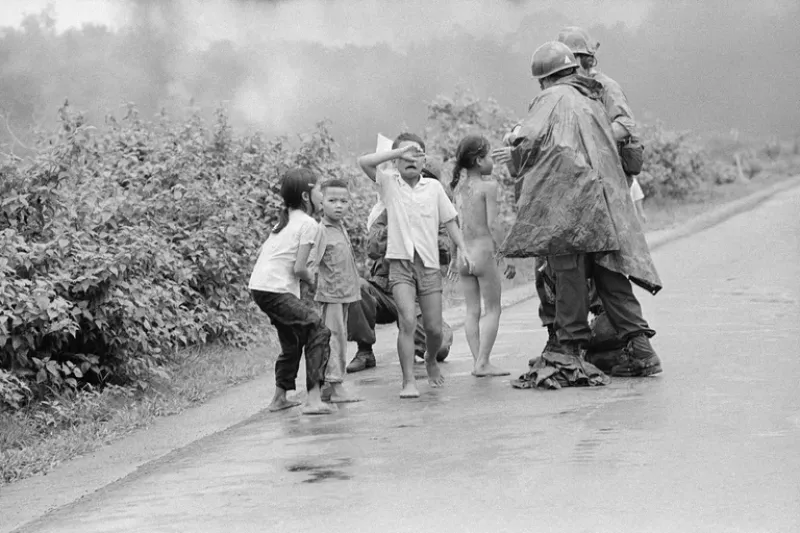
(574, 209)
(606, 348)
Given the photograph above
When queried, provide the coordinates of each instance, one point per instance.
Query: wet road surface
(713, 444)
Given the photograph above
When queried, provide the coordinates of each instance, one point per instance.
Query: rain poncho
(615, 103)
(572, 192)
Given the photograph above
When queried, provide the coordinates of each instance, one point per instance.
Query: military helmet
(578, 40)
(550, 58)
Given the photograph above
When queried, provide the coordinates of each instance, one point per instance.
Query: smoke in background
(373, 65)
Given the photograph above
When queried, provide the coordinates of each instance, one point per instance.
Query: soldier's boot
(605, 360)
(638, 359)
(363, 359)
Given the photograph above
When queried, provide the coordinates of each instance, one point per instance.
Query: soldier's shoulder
(607, 81)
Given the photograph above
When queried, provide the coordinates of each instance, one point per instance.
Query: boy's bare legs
(472, 299)
(405, 298)
(280, 402)
(431, 307)
(490, 288)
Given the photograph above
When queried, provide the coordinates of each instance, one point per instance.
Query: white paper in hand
(384, 144)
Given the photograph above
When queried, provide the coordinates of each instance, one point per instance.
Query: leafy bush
(724, 173)
(772, 149)
(676, 163)
(119, 247)
(451, 119)
(13, 391)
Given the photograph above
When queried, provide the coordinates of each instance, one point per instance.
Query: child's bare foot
(435, 377)
(338, 394)
(279, 404)
(314, 404)
(410, 390)
(317, 408)
(489, 370)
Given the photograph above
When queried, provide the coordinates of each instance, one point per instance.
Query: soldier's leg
(545, 285)
(361, 319)
(595, 303)
(625, 313)
(571, 300)
(447, 342)
(544, 280)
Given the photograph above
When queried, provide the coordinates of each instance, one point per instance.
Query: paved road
(713, 444)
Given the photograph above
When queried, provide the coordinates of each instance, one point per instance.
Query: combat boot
(363, 359)
(638, 359)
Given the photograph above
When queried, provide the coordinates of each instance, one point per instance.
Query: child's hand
(411, 152)
(511, 272)
(467, 262)
(501, 156)
(452, 270)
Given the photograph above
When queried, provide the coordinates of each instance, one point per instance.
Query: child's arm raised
(369, 163)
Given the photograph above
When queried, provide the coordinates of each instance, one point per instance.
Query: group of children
(299, 247)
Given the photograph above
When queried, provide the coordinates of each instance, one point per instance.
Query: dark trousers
(378, 307)
(300, 328)
(544, 280)
(572, 299)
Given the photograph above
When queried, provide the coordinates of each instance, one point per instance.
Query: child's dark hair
(293, 184)
(335, 183)
(469, 150)
(408, 137)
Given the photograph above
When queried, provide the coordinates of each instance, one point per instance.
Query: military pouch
(632, 156)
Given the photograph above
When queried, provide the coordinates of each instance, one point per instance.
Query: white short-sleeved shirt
(636, 191)
(414, 215)
(274, 270)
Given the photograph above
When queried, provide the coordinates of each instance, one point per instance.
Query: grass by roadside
(36, 440)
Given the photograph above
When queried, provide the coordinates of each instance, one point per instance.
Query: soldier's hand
(502, 155)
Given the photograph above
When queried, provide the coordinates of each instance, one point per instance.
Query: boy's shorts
(424, 280)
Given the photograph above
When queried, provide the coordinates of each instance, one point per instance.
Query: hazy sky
(372, 65)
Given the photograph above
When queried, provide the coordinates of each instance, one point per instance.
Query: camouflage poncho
(572, 192)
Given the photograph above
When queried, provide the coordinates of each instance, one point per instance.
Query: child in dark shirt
(337, 284)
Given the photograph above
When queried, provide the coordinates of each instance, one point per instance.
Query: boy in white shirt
(415, 207)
